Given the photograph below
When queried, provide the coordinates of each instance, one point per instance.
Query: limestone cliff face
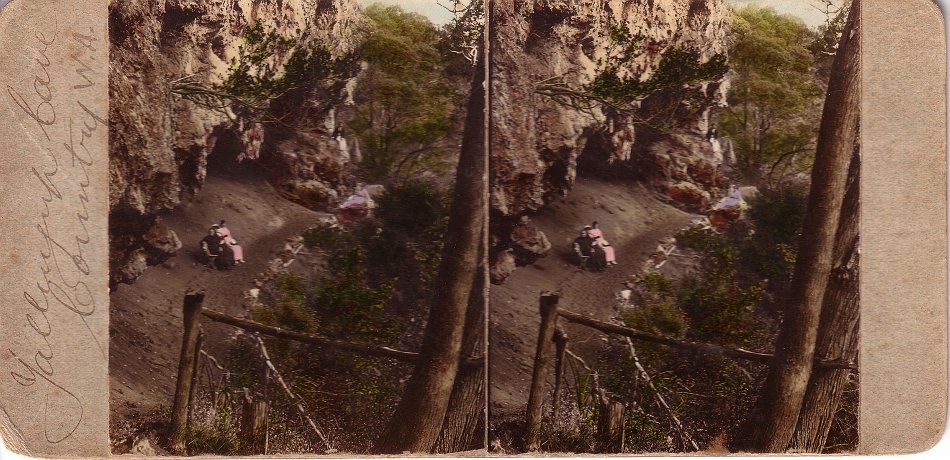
(161, 145)
(538, 144)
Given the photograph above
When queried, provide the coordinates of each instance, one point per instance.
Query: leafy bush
(657, 311)
(777, 217)
(348, 307)
(412, 209)
(720, 306)
(662, 317)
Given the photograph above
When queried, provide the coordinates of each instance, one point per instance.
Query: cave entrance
(594, 160)
(223, 159)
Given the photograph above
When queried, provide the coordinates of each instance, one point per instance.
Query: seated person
(231, 242)
(211, 246)
(583, 246)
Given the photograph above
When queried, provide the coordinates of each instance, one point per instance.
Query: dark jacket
(582, 245)
(211, 244)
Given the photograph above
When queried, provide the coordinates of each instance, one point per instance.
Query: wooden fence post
(195, 375)
(253, 424)
(610, 425)
(542, 361)
(192, 319)
(560, 342)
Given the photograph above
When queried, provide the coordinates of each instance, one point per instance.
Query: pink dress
(608, 250)
(238, 252)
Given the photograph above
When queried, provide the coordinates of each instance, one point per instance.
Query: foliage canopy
(405, 102)
(775, 99)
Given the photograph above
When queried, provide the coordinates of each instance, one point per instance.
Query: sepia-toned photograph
(464, 228)
(294, 227)
(674, 218)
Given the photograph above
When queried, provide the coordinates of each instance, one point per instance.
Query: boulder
(161, 242)
(503, 266)
(688, 196)
(528, 243)
(134, 264)
(313, 194)
(143, 447)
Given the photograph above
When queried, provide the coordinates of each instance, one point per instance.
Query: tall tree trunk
(417, 421)
(838, 331)
(777, 409)
(466, 410)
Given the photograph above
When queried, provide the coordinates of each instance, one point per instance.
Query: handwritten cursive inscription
(73, 132)
(41, 112)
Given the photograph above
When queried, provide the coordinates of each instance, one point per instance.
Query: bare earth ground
(633, 221)
(146, 318)
(146, 323)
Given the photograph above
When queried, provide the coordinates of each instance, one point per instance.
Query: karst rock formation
(538, 144)
(161, 144)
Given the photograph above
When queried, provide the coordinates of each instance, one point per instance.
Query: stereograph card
(243, 227)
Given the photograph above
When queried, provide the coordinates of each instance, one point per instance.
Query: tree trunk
(777, 409)
(417, 421)
(838, 331)
(467, 404)
(539, 375)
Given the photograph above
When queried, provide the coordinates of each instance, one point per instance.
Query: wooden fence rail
(706, 348)
(364, 349)
(716, 350)
(193, 310)
(611, 425)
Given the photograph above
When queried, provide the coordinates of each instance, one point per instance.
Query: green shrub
(661, 317)
(656, 283)
(770, 252)
(413, 209)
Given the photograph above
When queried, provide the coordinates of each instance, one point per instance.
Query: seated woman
(231, 242)
(599, 239)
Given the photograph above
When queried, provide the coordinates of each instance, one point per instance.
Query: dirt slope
(633, 221)
(146, 321)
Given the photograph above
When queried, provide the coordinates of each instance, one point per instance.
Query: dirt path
(632, 220)
(146, 322)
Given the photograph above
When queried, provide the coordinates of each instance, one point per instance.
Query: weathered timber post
(195, 375)
(192, 317)
(610, 425)
(560, 343)
(253, 420)
(542, 361)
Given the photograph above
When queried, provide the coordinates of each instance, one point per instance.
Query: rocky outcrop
(538, 145)
(540, 142)
(162, 145)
